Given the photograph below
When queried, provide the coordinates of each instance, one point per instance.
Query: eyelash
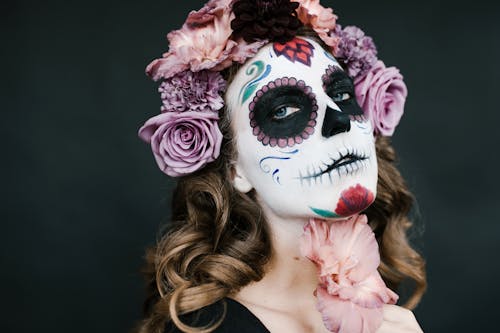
(285, 106)
(338, 94)
(340, 97)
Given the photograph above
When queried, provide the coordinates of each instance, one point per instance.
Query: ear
(240, 181)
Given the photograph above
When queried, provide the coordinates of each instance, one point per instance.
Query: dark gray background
(82, 196)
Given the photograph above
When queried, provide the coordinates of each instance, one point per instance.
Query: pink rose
(381, 93)
(183, 142)
(350, 292)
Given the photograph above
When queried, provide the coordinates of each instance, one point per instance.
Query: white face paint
(302, 141)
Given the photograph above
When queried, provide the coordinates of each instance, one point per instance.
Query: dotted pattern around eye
(358, 118)
(327, 77)
(283, 142)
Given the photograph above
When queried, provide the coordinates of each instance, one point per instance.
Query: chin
(352, 199)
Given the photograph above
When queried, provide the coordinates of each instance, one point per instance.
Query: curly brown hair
(218, 240)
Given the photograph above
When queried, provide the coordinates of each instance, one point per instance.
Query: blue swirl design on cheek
(363, 124)
(266, 168)
(330, 56)
(365, 129)
(276, 178)
(258, 70)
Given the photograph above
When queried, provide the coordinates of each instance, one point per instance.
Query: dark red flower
(297, 49)
(272, 20)
(354, 200)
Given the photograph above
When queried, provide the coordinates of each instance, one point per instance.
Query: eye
(340, 87)
(340, 97)
(284, 111)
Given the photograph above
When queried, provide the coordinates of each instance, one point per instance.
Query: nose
(335, 122)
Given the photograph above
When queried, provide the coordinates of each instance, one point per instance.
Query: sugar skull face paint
(283, 112)
(303, 142)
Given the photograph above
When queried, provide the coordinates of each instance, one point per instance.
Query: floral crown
(185, 136)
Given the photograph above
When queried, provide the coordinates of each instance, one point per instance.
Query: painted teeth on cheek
(318, 173)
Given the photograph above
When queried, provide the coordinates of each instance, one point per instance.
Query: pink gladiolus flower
(381, 93)
(350, 292)
(321, 19)
(183, 142)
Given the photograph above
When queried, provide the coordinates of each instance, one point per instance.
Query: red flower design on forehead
(297, 49)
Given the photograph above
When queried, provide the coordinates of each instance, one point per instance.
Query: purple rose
(183, 142)
(381, 93)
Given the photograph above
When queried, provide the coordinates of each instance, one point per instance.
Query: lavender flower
(192, 91)
(381, 93)
(356, 50)
(183, 142)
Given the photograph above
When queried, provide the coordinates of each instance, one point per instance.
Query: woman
(278, 179)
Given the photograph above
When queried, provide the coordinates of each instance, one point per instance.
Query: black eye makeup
(283, 112)
(340, 88)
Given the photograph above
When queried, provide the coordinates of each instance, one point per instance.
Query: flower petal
(342, 316)
(183, 142)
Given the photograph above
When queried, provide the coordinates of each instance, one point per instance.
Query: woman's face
(303, 142)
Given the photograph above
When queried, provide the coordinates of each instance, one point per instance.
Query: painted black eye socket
(338, 84)
(283, 112)
(340, 88)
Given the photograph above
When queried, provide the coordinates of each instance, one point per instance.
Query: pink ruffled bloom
(321, 19)
(381, 93)
(183, 142)
(203, 43)
(195, 91)
(356, 50)
(350, 292)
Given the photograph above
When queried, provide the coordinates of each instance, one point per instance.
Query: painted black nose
(335, 122)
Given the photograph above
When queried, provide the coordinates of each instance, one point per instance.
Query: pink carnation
(321, 19)
(350, 292)
(195, 91)
(381, 93)
(203, 42)
(183, 142)
(356, 50)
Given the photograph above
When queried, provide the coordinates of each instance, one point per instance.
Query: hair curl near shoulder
(388, 217)
(217, 243)
(218, 240)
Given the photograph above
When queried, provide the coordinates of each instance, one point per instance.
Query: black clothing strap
(238, 318)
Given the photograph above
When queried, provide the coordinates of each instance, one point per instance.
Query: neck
(289, 275)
